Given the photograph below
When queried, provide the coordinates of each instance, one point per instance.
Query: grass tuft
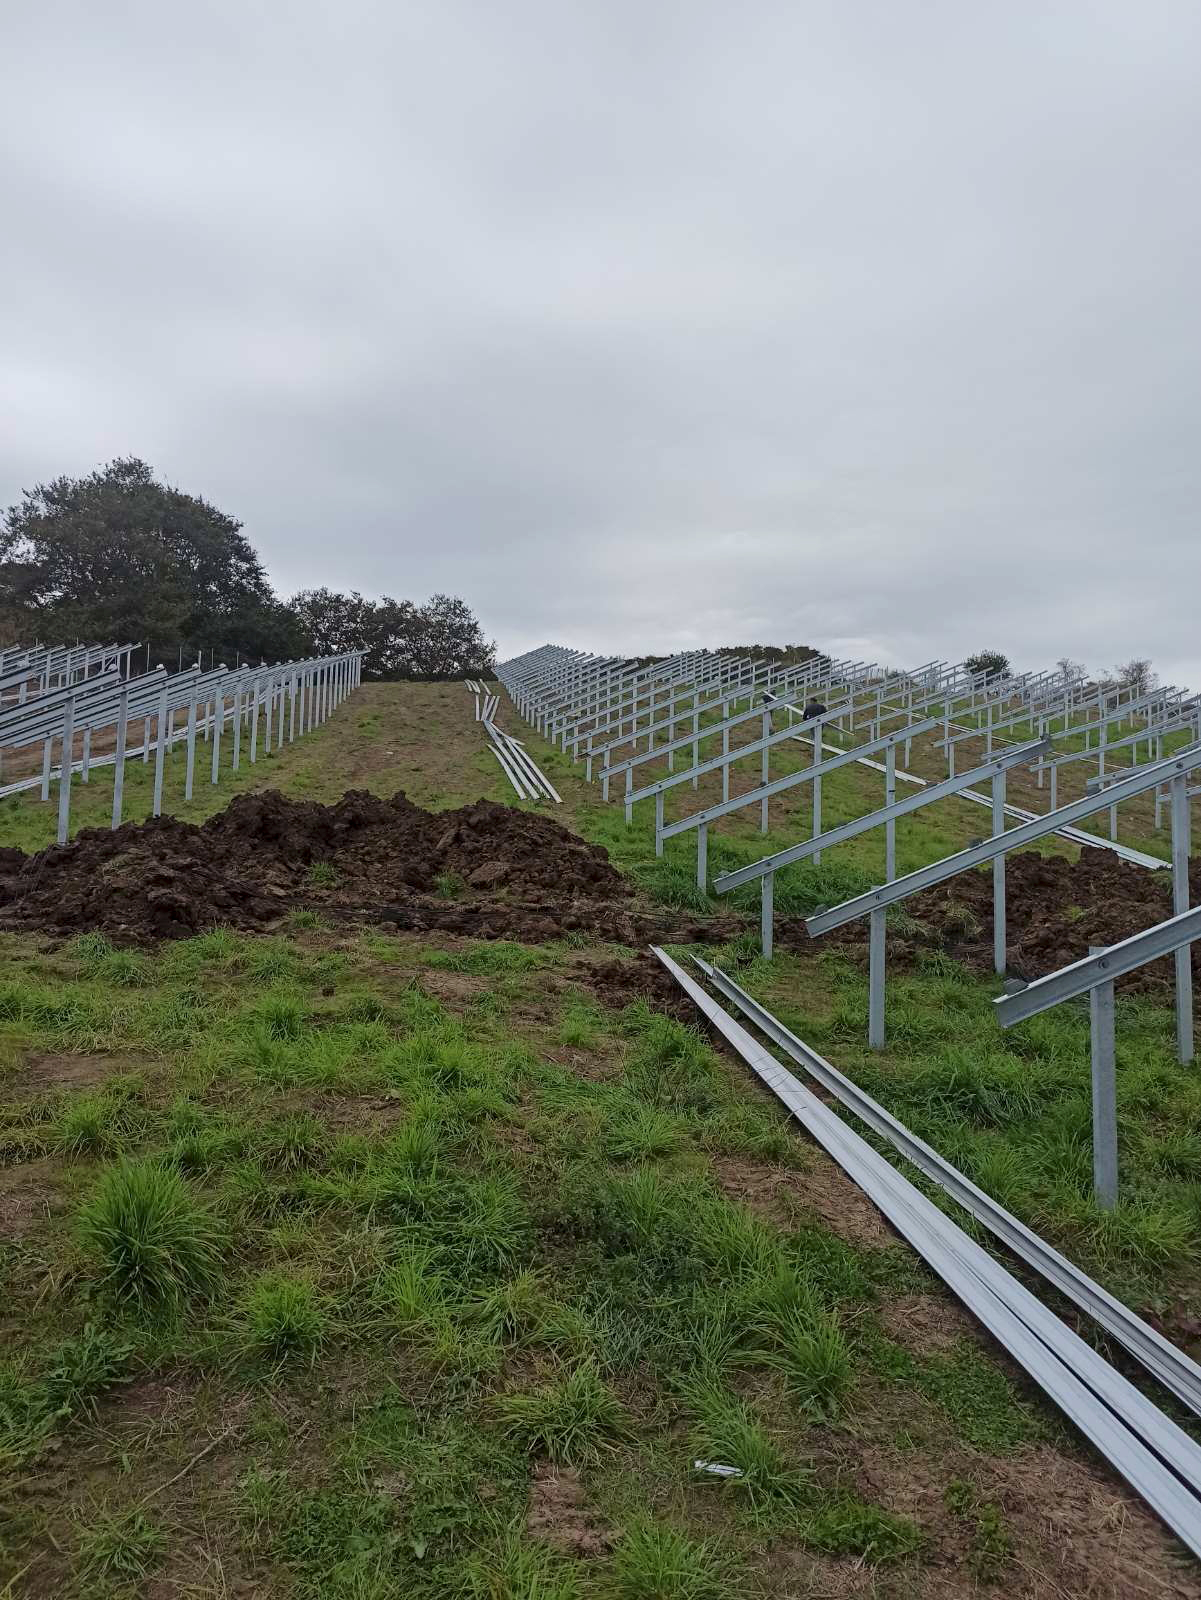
(152, 1241)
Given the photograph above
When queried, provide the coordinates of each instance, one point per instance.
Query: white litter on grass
(717, 1469)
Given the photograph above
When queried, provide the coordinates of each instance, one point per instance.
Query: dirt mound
(1055, 909)
(266, 852)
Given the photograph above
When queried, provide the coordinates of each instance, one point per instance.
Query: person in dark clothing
(813, 708)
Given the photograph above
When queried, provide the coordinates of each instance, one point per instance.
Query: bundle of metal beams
(258, 700)
(527, 777)
(1156, 1457)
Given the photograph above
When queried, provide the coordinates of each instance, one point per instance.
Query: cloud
(640, 327)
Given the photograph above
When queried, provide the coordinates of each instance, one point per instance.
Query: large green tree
(441, 639)
(120, 556)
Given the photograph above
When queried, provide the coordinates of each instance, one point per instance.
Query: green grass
(150, 1241)
(408, 1260)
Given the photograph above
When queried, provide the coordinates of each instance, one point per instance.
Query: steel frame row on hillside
(282, 700)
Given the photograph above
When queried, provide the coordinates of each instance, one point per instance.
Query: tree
(441, 639)
(991, 661)
(1070, 670)
(119, 556)
(1137, 674)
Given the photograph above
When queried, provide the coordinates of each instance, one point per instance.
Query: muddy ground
(485, 870)
(489, 871)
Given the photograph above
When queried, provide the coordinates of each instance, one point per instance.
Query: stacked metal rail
(261, 706)
(1155, 1456)
(523, 772)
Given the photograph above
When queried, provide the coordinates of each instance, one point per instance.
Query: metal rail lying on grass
(1155, 1456)
(1172, 1367)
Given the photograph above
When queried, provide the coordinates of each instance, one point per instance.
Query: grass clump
(992, 1546)
(847, 1526)
(282, 1317)
(323, 875)
(117, 1546)
(653, 1561)
(569, 1420)
(152, 1241)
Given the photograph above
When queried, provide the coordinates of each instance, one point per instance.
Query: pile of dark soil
(253, 861)
(1055, 909)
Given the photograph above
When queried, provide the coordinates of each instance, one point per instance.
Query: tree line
(119, 556)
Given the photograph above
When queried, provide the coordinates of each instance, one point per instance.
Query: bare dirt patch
(1055, 909)
(28, 1196)
(1074, 1533)
(559, 1516)
(926, 1324)
(821, 1190)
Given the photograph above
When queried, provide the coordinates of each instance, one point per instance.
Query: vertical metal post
(764, 769)
(875, 980)
(696, 748)
(218, 728)
(47, 756)
(85, 755)
(1181, 828)
(190, 769)
(890, 827)
(269, 709)
(659, 823)
(237, 724)
(725, 771)
(160, 751)
(1055, 786)
(998, 876)
(119, 757)
(254, 724)
(292, 686)
(817, 816)
(702, 857)
(767, 897)
(1105, 1092)
(64, 771)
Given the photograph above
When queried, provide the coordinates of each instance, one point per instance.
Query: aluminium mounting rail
(1155, 1456)
(1172, 1367)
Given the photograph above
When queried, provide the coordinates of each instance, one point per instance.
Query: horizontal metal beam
(1025, 833)
(1115, 961)
(1015, 757)
(806, 775)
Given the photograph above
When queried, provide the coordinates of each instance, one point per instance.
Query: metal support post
(767, 896)
(763, 806)
(119, 757)
(998, 876)
(190, 769)
(875, 980)
(160, 751)
(1105, 1108)
(1180, 902)
(237, 724)
(254, 724)
(64, 771)
(890, 827)
(85, 755)
(702, 857)
(218, 729)
(659, 823)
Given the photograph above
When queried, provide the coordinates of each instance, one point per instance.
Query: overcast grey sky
(864, 323)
